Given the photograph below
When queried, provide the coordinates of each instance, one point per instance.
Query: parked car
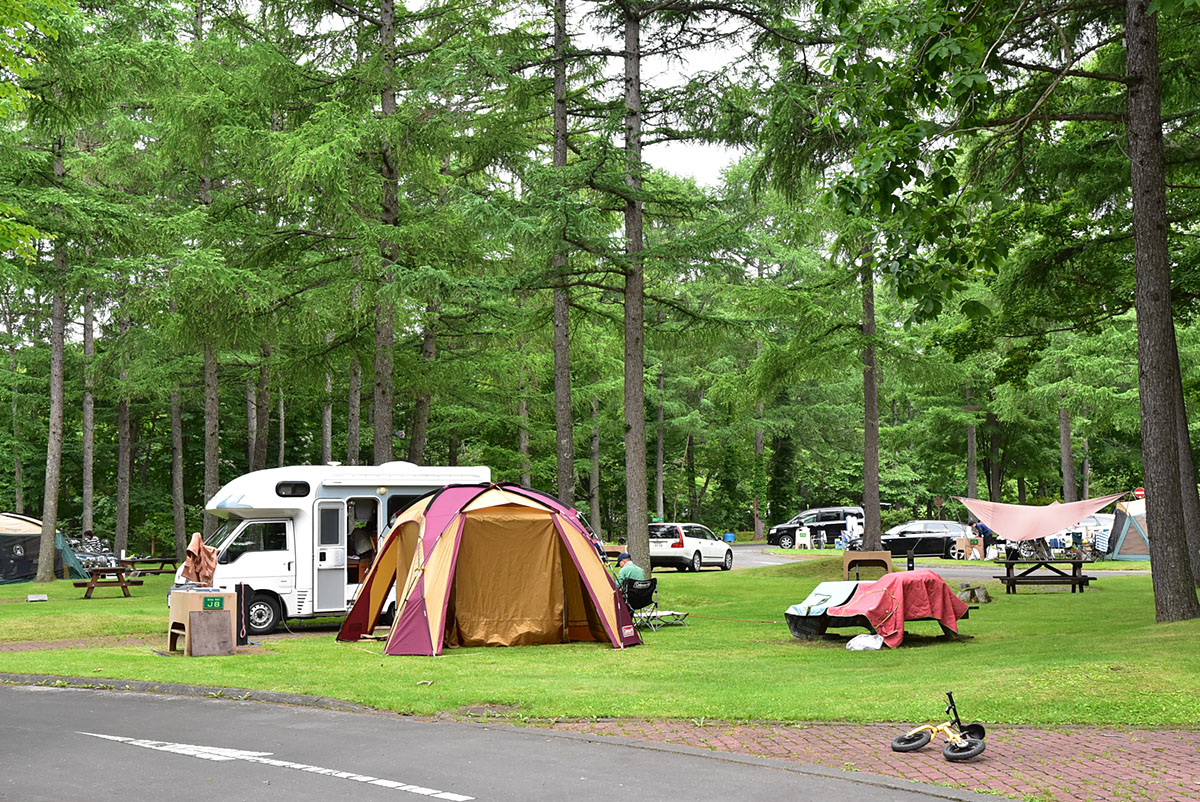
(924, 538)
(687, 547)
(824, 524)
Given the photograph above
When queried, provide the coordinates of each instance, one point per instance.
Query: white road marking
(220, 753)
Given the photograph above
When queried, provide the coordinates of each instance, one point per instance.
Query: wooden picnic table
(149, 565)
(117, 578)
(1043, 572)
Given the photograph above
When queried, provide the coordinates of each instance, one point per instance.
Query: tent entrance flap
(508, 589)
(581, 621)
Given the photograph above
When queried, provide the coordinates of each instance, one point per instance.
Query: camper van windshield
(218, 535)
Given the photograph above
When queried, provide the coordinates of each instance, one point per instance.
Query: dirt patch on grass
(85, 643)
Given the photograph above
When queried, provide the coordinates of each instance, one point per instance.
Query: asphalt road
(66, 744)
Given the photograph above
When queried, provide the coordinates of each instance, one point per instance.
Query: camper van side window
(266, 536)
(330, 523)
(291, 489)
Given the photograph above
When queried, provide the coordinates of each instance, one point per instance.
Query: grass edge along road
(1041, 658)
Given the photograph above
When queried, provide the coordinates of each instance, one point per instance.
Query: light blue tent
(1130, 540)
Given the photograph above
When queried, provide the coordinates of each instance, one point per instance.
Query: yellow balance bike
(963, 741)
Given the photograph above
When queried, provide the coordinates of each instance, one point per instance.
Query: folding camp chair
(641, 596)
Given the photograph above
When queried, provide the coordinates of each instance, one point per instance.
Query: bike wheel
(973, 748)
(911, 741)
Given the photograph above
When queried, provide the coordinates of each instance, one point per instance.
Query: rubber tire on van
(786, 541)
(263, 614)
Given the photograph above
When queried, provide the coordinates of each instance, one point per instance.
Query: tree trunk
(384, 429)
(54, 431)
(88, 455)
(1158, 363)
(759, 470)
(594, 476)
(385, 324)
(212, 434)
(637, 533)
(420, 428)
(1187, 486)
(327, 414)
(993, 458)
(178, 521)
(354, 412)
(1066, 457)
(251, 423)
(659, 445)
(282, 432)
(452, 447)
(872, 525)
(972, 454)
(262, 407)
(1085, 472)
(18, 477)
(564, 422)
(124, 457)
(689, 461)
(523, 436)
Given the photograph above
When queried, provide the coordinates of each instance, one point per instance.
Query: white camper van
(302, 538)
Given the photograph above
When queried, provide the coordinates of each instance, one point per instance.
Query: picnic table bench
(1053, 574)
(118, 579)
(149, 565)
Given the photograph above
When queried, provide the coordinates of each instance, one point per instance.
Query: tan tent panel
(18, 525)
(498, 496)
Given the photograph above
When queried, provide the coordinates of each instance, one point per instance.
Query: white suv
(688, 547)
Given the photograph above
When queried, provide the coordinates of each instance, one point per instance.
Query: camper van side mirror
(223, 558)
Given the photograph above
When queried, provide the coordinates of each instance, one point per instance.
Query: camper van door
(330, 565)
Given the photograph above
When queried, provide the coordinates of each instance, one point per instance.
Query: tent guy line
(220, 753)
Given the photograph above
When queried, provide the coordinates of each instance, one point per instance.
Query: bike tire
(911, 741)
(973, 748)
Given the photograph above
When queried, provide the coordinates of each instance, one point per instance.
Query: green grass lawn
(1034, 657)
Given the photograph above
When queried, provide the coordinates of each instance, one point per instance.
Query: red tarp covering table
(904, 596)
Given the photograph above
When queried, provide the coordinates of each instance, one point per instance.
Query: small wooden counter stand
(205, 621)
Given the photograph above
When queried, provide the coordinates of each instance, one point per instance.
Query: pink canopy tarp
(1023, 522)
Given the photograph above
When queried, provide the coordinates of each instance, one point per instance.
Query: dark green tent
(20, 539)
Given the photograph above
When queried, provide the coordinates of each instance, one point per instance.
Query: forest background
(239, 235)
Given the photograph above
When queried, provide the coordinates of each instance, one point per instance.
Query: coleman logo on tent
(627, 632)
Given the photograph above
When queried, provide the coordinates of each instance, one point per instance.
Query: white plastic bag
(865, 643)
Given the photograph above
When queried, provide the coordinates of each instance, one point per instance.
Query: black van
(825, 524)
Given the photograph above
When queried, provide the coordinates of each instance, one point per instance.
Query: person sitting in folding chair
(627, 569)
(641, 596)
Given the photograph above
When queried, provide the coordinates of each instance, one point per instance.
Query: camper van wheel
(262, 616)
(696, 561)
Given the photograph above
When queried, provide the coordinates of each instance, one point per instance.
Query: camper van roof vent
(292, 489)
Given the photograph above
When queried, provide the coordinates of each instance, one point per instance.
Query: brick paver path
(1024, 762)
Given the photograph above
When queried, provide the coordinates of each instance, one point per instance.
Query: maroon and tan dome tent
(490, 565)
